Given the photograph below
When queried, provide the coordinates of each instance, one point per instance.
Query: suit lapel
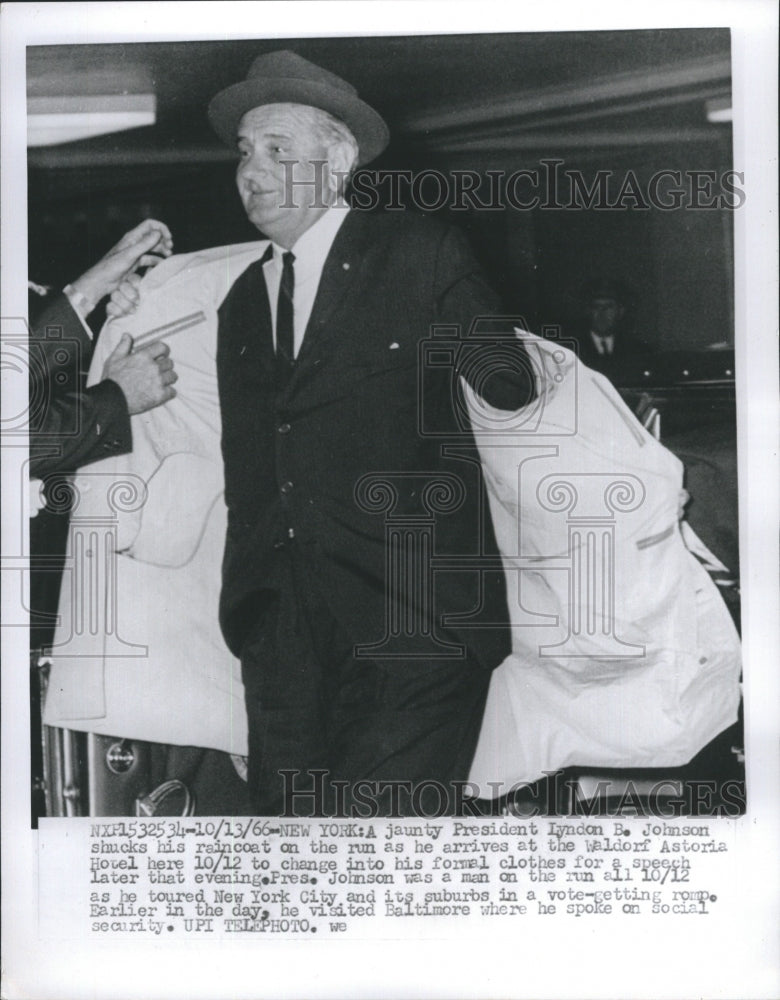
(341, 269)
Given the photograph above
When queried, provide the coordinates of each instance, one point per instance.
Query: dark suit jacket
(360, 403)
(70, 426)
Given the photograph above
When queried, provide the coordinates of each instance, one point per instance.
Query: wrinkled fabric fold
(643, 678)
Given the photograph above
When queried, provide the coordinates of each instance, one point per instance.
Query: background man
(605, 344)
(321, 395)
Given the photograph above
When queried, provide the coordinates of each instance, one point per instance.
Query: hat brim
(230, 105)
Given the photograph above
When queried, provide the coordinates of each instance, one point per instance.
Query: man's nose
(255, 165)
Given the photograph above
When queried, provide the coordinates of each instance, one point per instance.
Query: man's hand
(125, 297)
(145, 376)
(143, 246)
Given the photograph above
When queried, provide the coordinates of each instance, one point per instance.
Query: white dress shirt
(311, 251)
(604, 343)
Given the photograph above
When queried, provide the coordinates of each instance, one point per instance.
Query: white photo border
(731, 956)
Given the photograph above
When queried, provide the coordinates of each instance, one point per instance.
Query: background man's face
(604, 316)
(282, 201)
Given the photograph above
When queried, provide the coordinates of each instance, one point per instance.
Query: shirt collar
(312, 248)
(603, 340)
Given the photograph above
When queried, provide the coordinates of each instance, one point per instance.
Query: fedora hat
(286, 78)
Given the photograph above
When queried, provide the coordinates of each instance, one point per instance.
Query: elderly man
(364, 694)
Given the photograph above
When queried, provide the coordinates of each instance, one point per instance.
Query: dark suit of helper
(305, 575)
(71, 425)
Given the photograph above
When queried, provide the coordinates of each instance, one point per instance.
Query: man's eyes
(275, 150)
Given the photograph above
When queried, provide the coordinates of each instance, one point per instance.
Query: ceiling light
(55, 120)
(718, 109)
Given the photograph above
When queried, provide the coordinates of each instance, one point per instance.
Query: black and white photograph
(389, 447)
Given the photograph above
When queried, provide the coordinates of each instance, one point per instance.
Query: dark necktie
(285, 341)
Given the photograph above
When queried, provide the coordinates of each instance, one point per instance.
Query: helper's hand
(124, 299)
(145, 376)
(143, 246)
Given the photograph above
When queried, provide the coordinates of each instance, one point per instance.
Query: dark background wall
(678, 263)
(616, 101)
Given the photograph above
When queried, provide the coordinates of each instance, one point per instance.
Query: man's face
(604, 315)
(282, 200)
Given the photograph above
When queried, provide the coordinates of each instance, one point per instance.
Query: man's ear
(339, 166)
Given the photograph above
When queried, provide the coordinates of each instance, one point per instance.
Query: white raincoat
(623, 652)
